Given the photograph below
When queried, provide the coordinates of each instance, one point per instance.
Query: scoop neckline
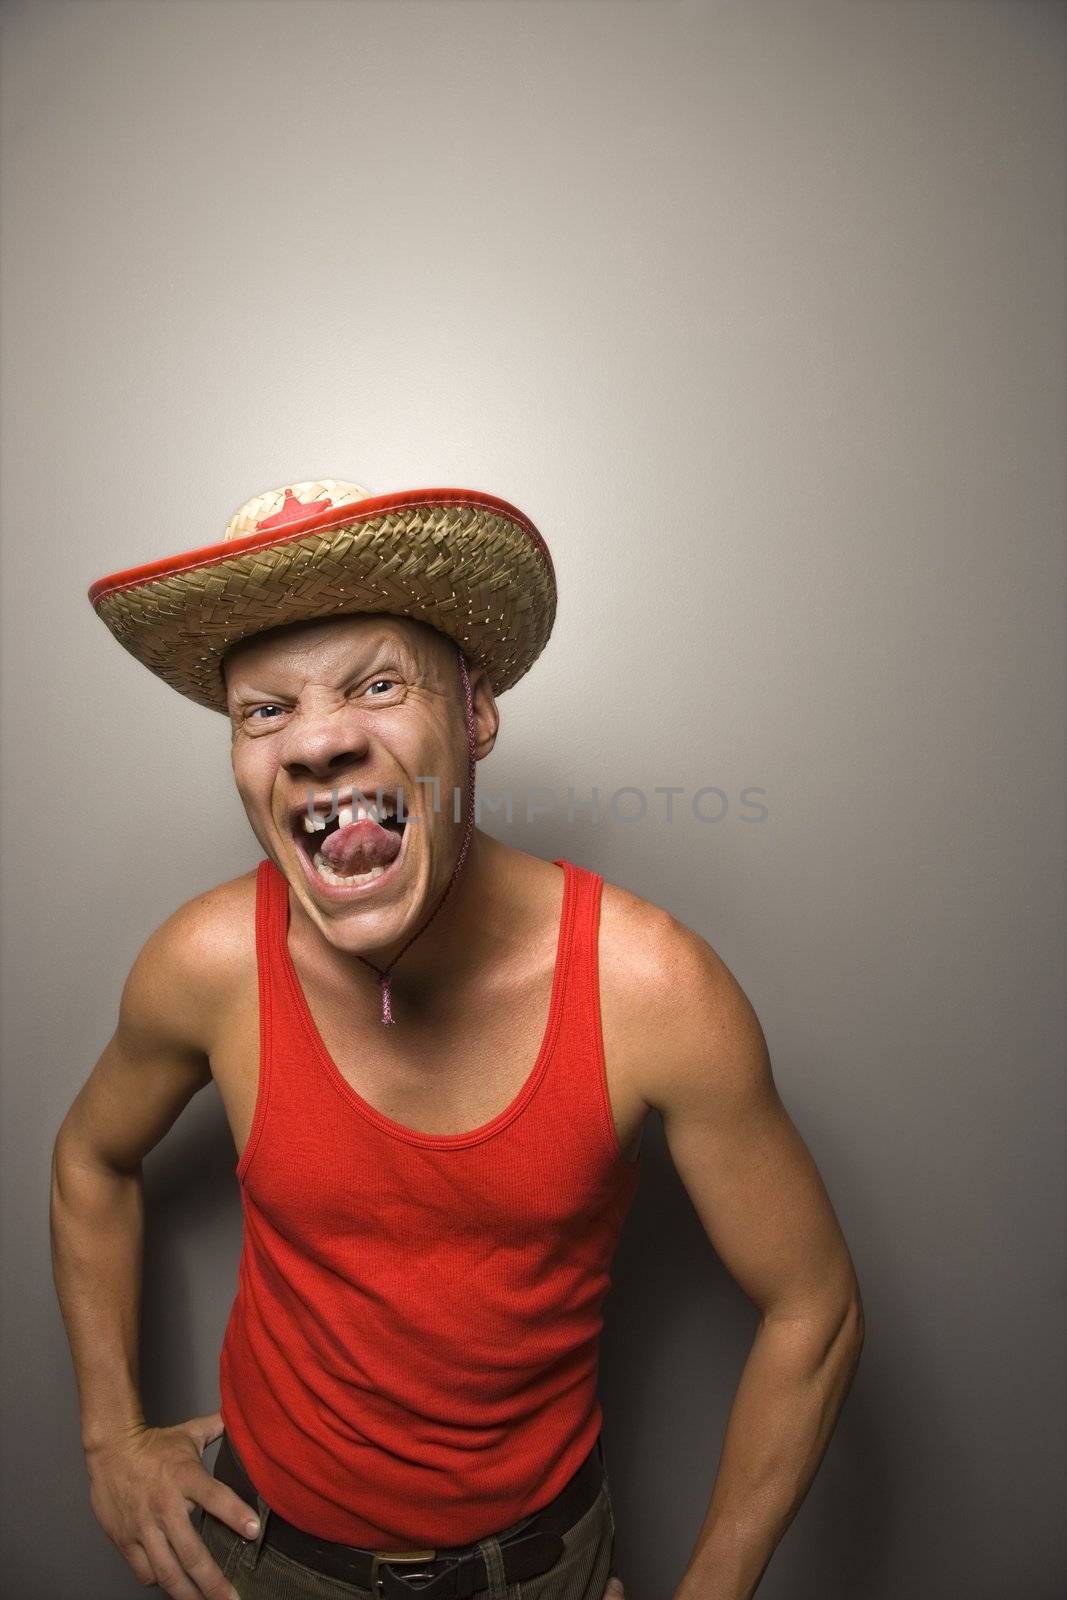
(399, 1130)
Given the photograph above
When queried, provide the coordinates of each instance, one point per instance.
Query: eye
(252, 713)
(391, 682)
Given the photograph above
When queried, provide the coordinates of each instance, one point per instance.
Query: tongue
(360, 846)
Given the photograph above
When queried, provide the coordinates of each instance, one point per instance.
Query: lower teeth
(323, 868)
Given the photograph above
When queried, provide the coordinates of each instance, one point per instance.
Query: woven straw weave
(475, 575)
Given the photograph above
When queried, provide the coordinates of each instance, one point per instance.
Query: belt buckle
(397, 1558)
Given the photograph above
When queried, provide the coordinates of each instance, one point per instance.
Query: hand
(614, 1590)
(145, 1484)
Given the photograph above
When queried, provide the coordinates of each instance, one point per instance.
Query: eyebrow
(361, 659)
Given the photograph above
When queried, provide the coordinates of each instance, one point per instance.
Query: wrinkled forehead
(417, 645)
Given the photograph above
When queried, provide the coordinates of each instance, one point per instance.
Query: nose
(323, 745)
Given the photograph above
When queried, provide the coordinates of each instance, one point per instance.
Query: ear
(486, 715)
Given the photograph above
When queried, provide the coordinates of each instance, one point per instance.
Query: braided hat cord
(383, 972)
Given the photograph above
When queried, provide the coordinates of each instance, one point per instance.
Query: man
(435, 1161)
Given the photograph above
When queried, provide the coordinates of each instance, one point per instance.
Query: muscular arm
(144, 1481)
(152, 1066)
(766, 1211)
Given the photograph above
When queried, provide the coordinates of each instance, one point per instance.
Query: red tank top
(411, 1357)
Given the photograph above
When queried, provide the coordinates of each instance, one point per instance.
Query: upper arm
(748, 1172)
(157, 1058)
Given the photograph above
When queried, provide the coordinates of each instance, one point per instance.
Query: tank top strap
(283, 1031)
(581, 989)
(272, 916)
(269, 907)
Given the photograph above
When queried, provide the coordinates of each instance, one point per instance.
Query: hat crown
(274, 508)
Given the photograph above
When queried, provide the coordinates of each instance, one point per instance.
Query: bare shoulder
(690, 1029)
(159, 1055)
(189, 964)
(215, 926)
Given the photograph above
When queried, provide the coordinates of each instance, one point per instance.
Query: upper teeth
(348, 814)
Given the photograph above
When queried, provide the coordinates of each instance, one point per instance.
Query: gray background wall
(758, 310)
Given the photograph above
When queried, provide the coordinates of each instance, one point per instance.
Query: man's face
(319, 710)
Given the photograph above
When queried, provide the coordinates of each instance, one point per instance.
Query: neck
(463, 934)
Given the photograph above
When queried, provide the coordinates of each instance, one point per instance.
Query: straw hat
(466, 563)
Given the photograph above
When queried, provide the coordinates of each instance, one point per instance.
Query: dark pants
(581, 1572)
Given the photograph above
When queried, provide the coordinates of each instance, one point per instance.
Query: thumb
(206, 1429)
(614, 1590)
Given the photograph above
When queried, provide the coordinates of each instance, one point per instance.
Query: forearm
(97, 1231)
(791, 1389)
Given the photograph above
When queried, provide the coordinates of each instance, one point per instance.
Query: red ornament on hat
(293, 510)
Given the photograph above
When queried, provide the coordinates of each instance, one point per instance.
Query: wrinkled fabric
(581, 1572)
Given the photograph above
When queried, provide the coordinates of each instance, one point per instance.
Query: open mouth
(350, 844)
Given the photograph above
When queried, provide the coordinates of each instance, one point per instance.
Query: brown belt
(450, 1573)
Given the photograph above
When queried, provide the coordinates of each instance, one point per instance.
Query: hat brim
(465, 562)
